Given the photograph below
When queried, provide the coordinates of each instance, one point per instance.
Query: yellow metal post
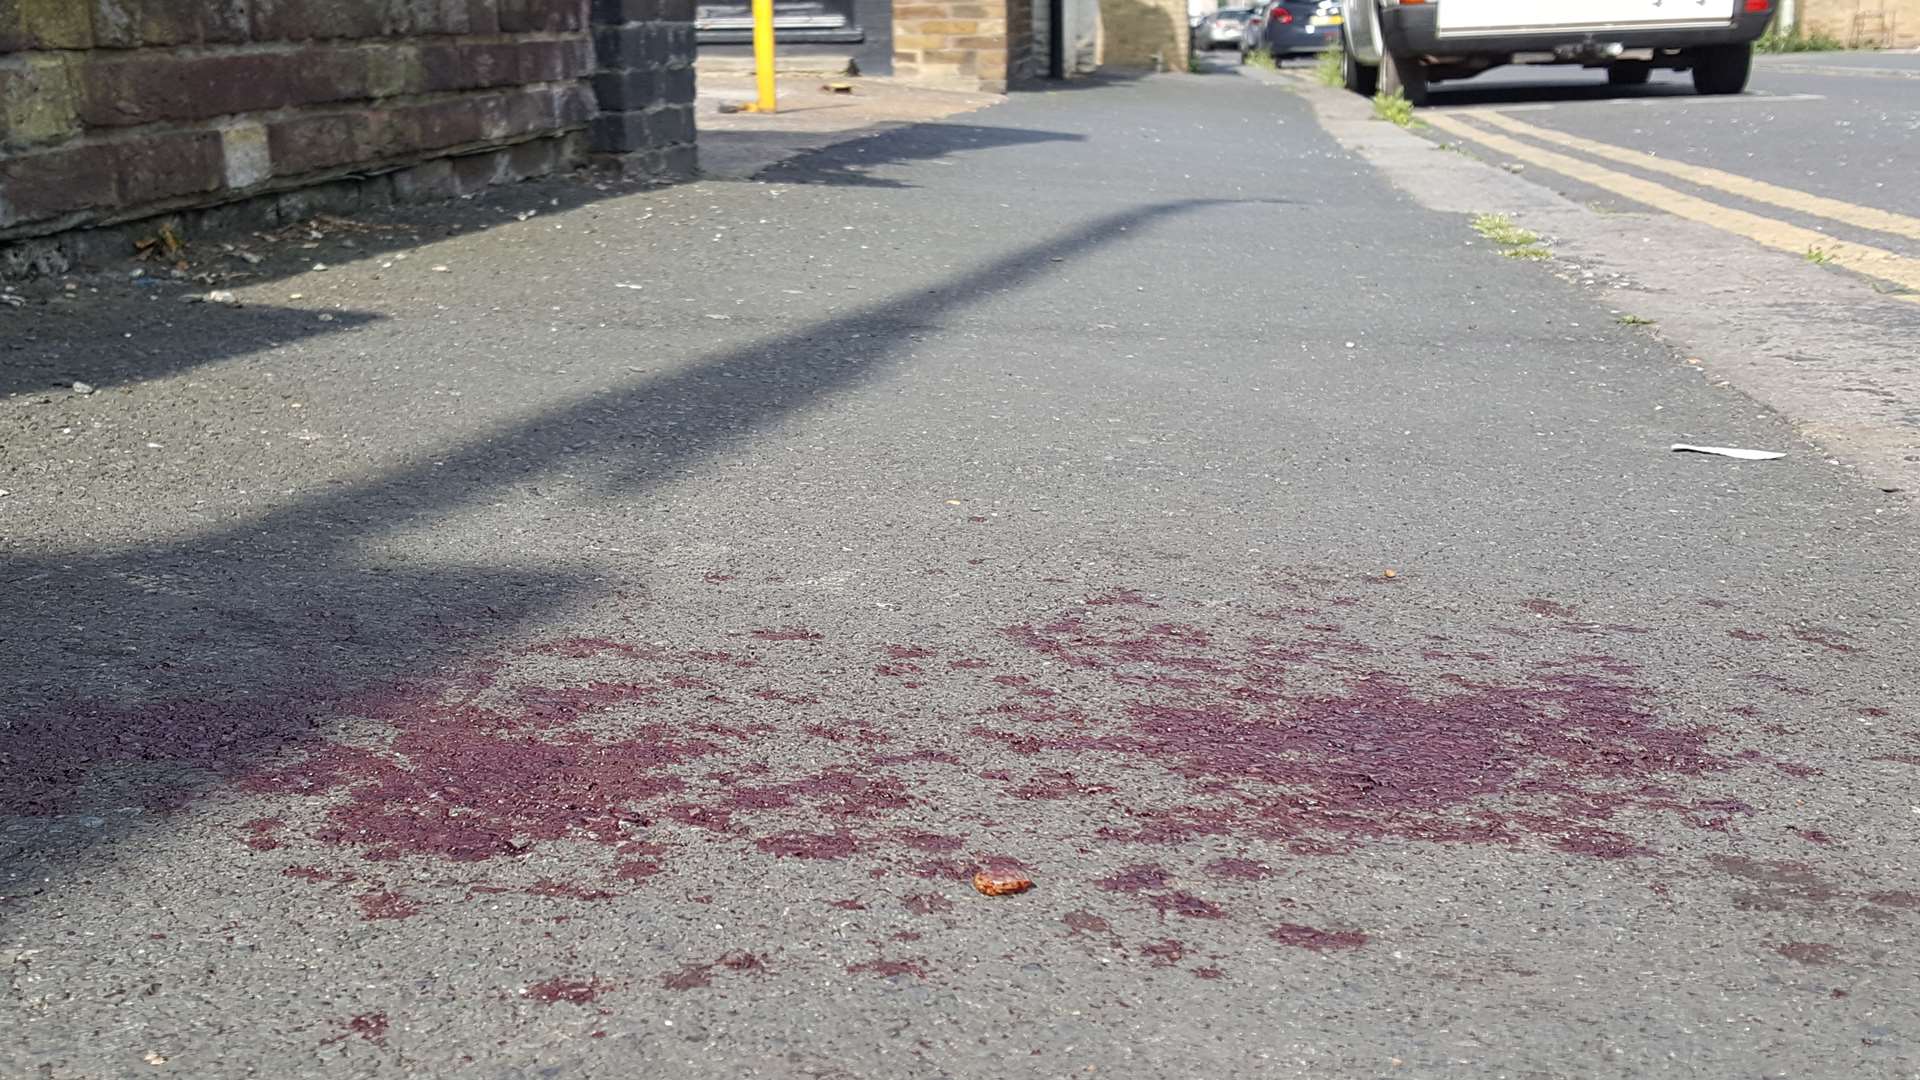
(763, 54)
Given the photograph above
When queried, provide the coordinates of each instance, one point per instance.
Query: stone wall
(962, 43)
(1873, 24)
(111, 110)
(1143, 35)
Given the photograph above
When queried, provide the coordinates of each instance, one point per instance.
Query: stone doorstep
(784, 63)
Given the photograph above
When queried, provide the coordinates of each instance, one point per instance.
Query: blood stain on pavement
(915, 966)
(369, 1026)
(1809, 952)
(573, 991)
(386, 905)
(1307, 937)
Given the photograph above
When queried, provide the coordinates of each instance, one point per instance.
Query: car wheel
(1722, 69)
(1628, 72)
(1354, 75)
(1405, 74)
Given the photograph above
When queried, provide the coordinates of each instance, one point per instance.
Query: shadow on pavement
(1465, 93)
(117, 343)
(146, 676)
(853, 163)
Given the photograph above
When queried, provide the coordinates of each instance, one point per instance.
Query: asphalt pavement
(611, 639)
(1838, 125)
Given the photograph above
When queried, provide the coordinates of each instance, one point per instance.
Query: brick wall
(1880, 24)
(955, 42)
(117, 109)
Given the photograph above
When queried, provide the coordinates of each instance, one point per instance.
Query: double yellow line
(1864, 259)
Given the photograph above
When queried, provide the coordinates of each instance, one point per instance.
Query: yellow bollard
(763, 54)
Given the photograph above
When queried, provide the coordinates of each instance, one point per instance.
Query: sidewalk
(736, 145)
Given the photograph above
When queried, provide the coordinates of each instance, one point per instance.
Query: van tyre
(1405, 74)
(1722, 69)
(1360, 78)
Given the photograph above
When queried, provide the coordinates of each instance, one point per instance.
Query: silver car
(1220, 30)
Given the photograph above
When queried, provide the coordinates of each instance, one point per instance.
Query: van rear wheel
(1722, 69)
(1360, 78)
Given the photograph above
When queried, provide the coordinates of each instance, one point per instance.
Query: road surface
(610, 640)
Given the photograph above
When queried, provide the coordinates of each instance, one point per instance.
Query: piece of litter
(1390, 573)
(297, 296)
(222, 296)
(319, 268)
(1728, 451)
(442, 270)
(719, 316)
(837, 87)
(81, 388)
(1000, 885)
(627, 285)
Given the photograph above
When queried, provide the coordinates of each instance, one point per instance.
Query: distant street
(610, 640)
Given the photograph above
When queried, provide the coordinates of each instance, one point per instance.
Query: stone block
(947, 26)
(523, 16)
(144, 87)
(38, 101)
(248, 158)
(304, 144)
(425, 182)
(45, 24)
(43, 186)
(166, 166)
(300, 20)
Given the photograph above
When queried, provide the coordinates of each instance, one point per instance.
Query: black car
(1283, 28)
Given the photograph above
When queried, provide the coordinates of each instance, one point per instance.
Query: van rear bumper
(1413, 30)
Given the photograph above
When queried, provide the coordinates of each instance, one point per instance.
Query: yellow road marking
(1860, 258)
(1865, 217)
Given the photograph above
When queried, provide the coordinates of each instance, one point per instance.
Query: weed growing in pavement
(1797, 41)
(1818, 256)
(1635, 320)
(1394, 108)
(1194, 66)
(1326, 69)
(1261, 58)
(1513, 241)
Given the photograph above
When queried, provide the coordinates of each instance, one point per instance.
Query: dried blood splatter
(1307, 937)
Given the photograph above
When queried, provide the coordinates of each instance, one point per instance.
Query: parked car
(1221, 29)
(1284, 28)
(1407, 45)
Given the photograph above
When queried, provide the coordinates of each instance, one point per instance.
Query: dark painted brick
(623, 91)
(618, 133)
(679, 86)
(671, 125)
(35, 187)
(620, 12)
(680, 163)
(165, 166)
(677, 10)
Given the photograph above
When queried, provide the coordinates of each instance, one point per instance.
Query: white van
(1406, 45)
